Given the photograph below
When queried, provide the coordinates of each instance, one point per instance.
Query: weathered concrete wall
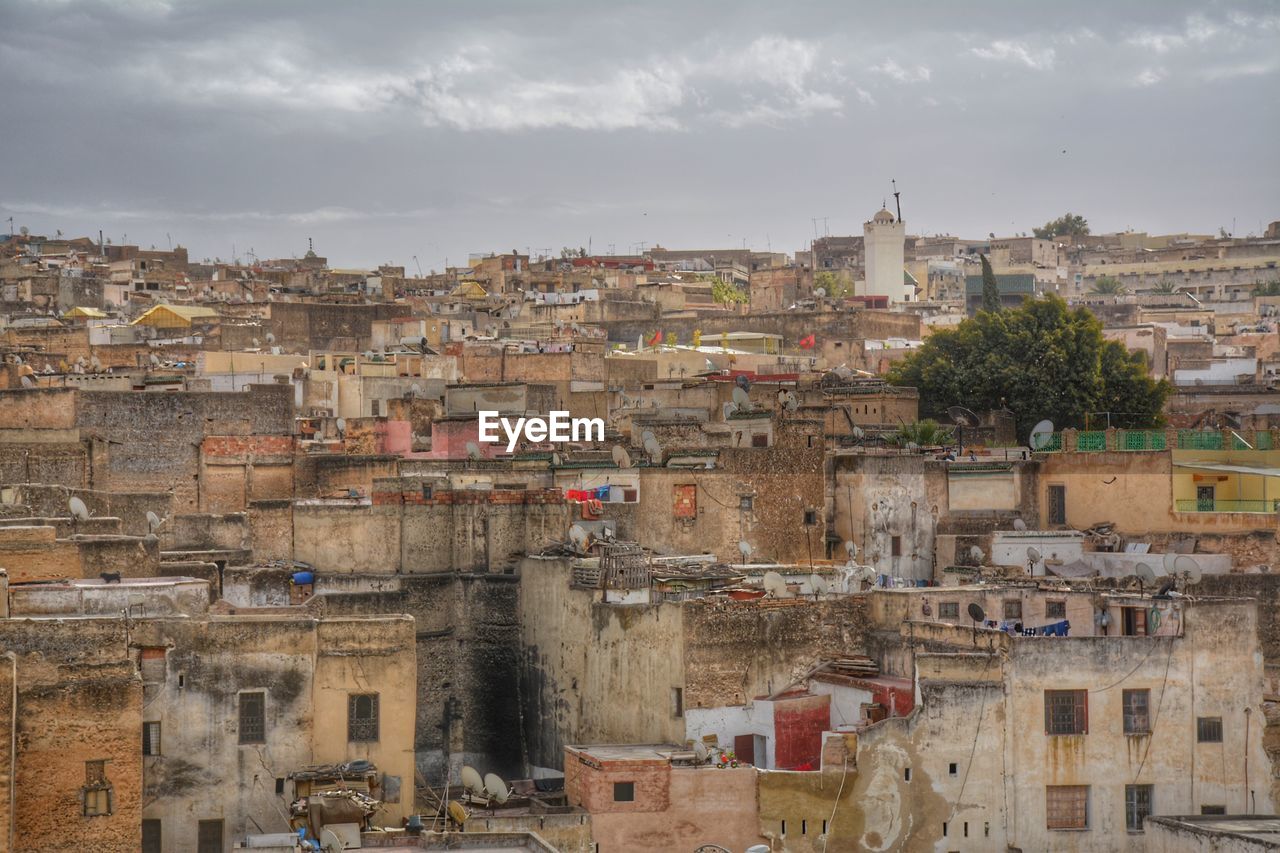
(79, 699)
(877, 499)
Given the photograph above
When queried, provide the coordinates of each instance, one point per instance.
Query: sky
(417, 132)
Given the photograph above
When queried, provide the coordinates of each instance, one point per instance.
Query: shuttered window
(362, 717)
(253, 717)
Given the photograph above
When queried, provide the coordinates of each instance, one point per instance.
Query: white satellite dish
(27, 382)
(330, 842)
(817, 584)
(1019, 525)
(701, 752)
(728, 410)
(851, 548)
(744, 548)
(741, 397)
(78, 510)
(271, 339)
(496, 788)
(653, 448)
(1041, 435)
(473, 451)
(579, 536)
(471, 779)
(1169, 559)
(775, 586)
(1145, 574)
(415, 390)
(1034, 555)
(153, 521)
(620, 456)
(341, 424)
(977, 554)
(1188, 568)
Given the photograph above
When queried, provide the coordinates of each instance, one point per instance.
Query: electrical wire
(1156, 717)
(973, 749)
(832, 823)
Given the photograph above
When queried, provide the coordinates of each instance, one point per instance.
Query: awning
(1259, 470)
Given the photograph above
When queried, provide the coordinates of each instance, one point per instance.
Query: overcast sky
(386, 130)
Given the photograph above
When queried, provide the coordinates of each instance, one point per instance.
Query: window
(1137, 805)
(624, 792)
(1133, 621)
(760, 439)
(895, 546)
(746, 503)
(953, 769)
(1213, 810)
(1066, 806)
(906, 774)
(677, 701)
(1057, 504)
(209, 837)
(1209, 729)
(1013, 608)
(1137, 712)
(1055, 609)
(949, 610)
(151, 738)
(810, 517)
(96, 795)
(151, 836)
(362, 717)
(253, 717)
(1066, 712)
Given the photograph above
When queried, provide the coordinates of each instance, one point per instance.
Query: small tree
(1166, 286)
(990, 289)
(1069, 224)
(1109, 286)
(925, 433)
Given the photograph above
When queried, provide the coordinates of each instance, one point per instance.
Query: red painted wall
(798, 725)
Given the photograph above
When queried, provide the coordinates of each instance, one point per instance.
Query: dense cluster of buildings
(262, 574)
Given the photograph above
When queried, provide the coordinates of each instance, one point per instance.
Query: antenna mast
(897, 200)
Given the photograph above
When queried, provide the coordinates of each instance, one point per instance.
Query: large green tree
(990, 290)
(1068, 224)
(1040, 360)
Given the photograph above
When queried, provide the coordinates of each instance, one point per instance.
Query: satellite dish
(620, 456)
(1145, 573)
(271, 339)
(962, 416)
(653, 448)
(256, 343)
(496, 788)
(741, 397)
(153, 521)
(95, 364)
(728, 409)
(27, 382)
(341, 424)
(1041, 435)
(742, 382)
(330, 842)
(977, 554)
(775, 586)
(1019, 525)
(457, 812)
(817, 584)
(79, 511)
(701, 752)
(976, 613)
(471, 779)
(579, 536)
(744, 548)
(1188, 567)
(474, 451)
(819, 292)
(851, 548)
(415, 390)
(1034, 555)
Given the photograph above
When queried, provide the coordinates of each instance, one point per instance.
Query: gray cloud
(434, 129)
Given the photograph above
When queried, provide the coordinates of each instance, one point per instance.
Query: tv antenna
(897, 198)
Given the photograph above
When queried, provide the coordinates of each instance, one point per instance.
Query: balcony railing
(1199, 505)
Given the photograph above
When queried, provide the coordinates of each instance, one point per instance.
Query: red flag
(656, 339)
(808, 342)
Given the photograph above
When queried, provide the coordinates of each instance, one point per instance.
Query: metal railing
(1199, 505)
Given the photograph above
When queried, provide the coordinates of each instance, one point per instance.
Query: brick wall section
(731, 648)
(593, 780)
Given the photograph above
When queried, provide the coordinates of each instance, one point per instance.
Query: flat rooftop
(630, 751)
(1259, 831)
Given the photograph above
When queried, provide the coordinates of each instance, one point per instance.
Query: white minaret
(884, 240)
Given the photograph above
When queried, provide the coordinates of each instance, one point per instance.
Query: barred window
(1066, 712)
(362, 717)
(1067, 806)
(1137, 712)
(253, 717)
(1013, 608)
(151, 738)
(1209, 729)
(1137, 805)
(949, 610)
(1055, 609)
